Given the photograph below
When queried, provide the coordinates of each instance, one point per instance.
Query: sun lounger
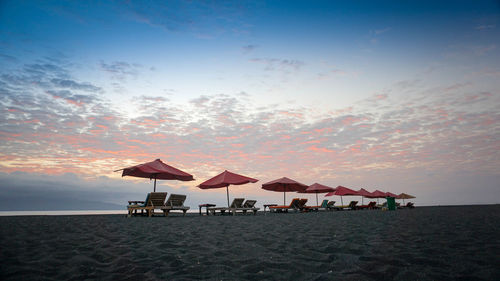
(331, 206)
(370, 205)
(408, 205)
(294, 205)
(154, 200)
(249, 205)
(237, 203)
(383, 205)
(351, 206)
(323, 206)
(302, 205)
(175, 202)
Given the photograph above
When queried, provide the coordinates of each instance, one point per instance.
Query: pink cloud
(319, 149)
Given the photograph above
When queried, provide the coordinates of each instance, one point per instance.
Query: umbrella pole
(316, 199)
(154, 190)
(362, 197)
(284, 195)
(227, 193)
(341, 201)
(403, 201)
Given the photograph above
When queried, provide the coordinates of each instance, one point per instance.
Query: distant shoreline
(124, 211)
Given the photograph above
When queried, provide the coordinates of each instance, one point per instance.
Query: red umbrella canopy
(390, 194)
(157, 170)
(225, 179)
(318, 188)
(377, 194)
(364, 192)
(284, 184)
(341, 191)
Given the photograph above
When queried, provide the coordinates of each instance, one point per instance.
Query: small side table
(206, 207)
(136, 203)
(269, 205)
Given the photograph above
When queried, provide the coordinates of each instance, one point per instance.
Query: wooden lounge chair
(175, 202)
(284, 208)
(294, 205)
(351, 206)
(249, 205)
(237, 203)
(370, 205)
(154, 200)
(409, 205)
(323, 206)
(302, 205)
(331, 206)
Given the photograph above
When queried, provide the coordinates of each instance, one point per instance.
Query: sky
(399, 96)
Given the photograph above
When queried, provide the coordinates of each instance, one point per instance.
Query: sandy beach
(427, 243)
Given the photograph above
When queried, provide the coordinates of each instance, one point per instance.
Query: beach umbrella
(317, 188)
(225, 179)
(342, 191)
(156, 170)
(377, 194)
(405, 196)
(364, 193)
(284, 184)
(390, 194)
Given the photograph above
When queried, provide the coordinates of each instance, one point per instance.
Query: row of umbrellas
(159, 170)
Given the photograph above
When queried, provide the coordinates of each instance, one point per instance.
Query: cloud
(271, 64)
(332, 73)
(69, 97)
(249, 48)
(381, 31)
(32, 191)
(485, 26)
(375, 35)
(201, 19)
(8, 58)
(70, 84)
(482, 50)
(52, 123)
(120, 70)
(220, 130)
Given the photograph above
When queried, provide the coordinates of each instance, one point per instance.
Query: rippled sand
(432, 243)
